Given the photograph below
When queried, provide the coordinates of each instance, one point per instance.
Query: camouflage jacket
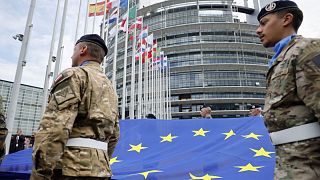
(3, 132)
(293, 86)
(82, 103)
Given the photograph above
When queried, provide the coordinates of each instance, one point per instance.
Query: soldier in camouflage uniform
(292, 104)
(3, 132)
(80, 128)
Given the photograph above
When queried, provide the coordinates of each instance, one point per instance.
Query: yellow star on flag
(206, 177)
(114, 160)
(252, 135)
(261, 152)
(200, 132)
(229, 134)
(167, 138)
(137, 148)
(146, 173)
(248, 167)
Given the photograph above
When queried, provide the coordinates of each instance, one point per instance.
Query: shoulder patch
(64, 94)
(59, 78)
(316, 60)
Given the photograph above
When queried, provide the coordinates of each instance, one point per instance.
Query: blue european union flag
(231, 149)
(235, 148)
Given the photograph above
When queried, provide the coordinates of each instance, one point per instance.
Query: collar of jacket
(88, 62)
(283, 53)
(279, 46)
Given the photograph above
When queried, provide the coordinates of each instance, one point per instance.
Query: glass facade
(28, 112)
(215, 58)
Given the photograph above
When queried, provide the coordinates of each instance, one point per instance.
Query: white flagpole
(106, 30)
(160, 86)
(103, 35)
(163, 93)
(153, 91)
(104, 22)
(133, 72)
(167, 91)
(94, 17)
(17, 79)
(87, 16)
(140, 77)
(152, 83)
(145, 88)
(169, 86)
(158, 92)
(106, 35)
(48, 70)
(148, 85)
(78, 19)
(124, 83)
(114, 73)
(63, 22)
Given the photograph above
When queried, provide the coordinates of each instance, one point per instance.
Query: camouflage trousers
(298, 160)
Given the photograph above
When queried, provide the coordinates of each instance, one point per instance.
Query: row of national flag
(96, 9)
(121, 17)
(147, 47)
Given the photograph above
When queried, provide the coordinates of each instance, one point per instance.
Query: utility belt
(297, 133)
(88, 143)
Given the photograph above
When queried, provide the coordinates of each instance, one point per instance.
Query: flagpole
(17, 79)
(115, 50)
(169, 84)
(48, 70)
(158, 92)
(148, 86)
(140, 76)
(94, 17)
(103, 34)
(63, 22)
(124, 83)
(161, 87)
(106, 31)
(163, 91)
(152, 83)
(146, 79)
(78, 19)
(144, 90)
(103, 20)
(87, 16)
(156, 88)
(133, 72)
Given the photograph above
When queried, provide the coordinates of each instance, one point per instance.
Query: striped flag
(96, 9)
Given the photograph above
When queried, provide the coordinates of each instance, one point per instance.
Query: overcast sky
(13, 17)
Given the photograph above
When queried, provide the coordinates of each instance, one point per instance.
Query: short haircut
(297, 17)
(95, 50)
(207, 108)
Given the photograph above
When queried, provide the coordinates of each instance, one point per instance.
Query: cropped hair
(297, 17)
(94, 50)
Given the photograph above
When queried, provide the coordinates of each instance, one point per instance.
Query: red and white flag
(113, 3)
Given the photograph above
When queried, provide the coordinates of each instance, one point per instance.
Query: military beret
(276, 6)
(95, 39)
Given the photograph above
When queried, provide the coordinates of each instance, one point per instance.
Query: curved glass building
(215, 56)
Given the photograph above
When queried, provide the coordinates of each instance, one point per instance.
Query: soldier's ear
(287, 19)
(83, 50)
